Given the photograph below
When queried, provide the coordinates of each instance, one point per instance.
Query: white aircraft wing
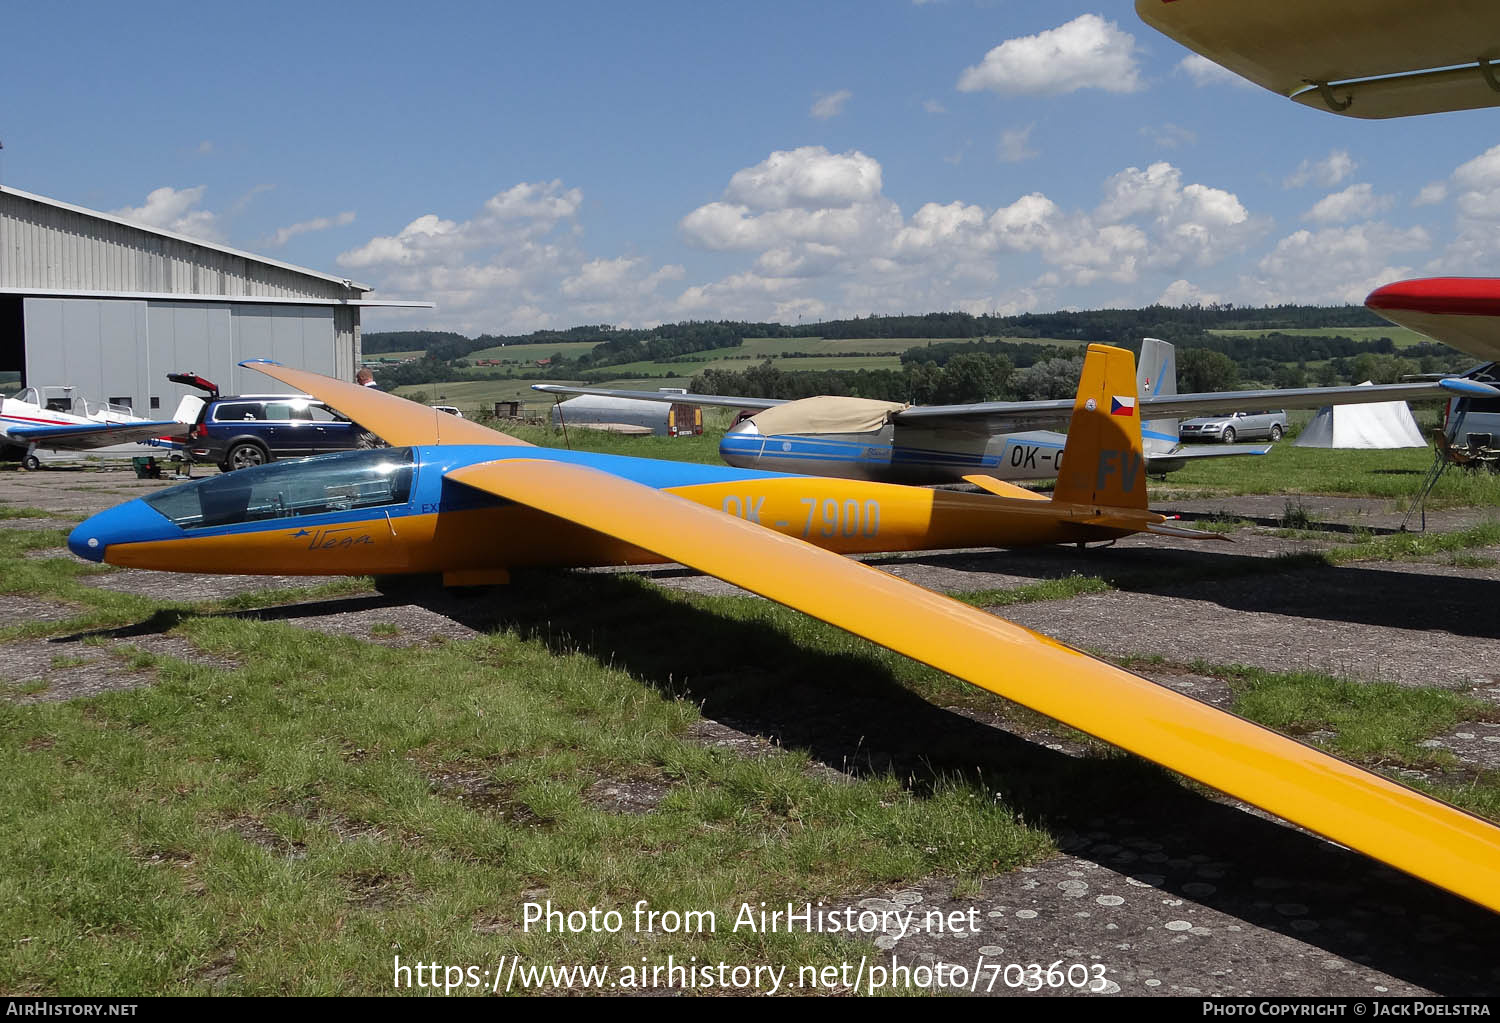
(724, 400)
(83, 436)
(1000, 416)
(1359, 58)
(1009, 414)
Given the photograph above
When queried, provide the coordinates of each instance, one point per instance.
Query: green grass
(1378, 723)
(23, 513)
(1412, 546)
(1396, 475)
(283, 825)
(1049, 589)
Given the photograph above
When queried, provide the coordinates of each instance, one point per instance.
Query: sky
(528, 166)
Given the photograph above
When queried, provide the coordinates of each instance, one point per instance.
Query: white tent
(1382, 425)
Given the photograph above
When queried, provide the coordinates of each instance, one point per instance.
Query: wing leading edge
(391, 418)
(1397, 825)
(1204, 403)
(1010, 415)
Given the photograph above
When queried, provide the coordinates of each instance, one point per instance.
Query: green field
(398, 356)
(733, 359)
(1400, 336)
(530, 353)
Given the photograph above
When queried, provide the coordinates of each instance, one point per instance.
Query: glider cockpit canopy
(343, 481)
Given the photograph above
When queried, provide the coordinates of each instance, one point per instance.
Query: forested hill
(1176, 324)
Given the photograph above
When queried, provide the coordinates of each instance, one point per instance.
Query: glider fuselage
(392, 511)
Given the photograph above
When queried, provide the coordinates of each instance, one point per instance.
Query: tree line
(959, 371)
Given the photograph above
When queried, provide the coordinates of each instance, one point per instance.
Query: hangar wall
(122, 349)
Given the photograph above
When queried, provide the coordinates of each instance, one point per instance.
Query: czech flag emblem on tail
(1120, 405)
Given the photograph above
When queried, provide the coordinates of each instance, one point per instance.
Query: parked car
(1472, 422)
(252, 429)
(452, 410)
(1233, 427)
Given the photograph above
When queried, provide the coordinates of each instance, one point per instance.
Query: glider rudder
(1103, 462)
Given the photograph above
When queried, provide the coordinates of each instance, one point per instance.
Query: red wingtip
(1456, 296)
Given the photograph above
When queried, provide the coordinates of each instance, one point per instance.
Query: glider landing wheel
(31, 462)
(244, 456)
(1275, 432)
(1228, 435)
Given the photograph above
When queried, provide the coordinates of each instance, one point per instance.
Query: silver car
(1233, 427)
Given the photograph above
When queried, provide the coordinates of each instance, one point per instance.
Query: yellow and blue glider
(459, 499)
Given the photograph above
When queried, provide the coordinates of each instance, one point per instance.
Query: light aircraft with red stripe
(57, 418)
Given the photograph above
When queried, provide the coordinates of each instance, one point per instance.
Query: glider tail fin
(1157, 378)
(1104, 463)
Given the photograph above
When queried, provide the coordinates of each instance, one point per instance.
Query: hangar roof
(103, 279)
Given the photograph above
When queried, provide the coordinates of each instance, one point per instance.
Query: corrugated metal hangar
(110, 307)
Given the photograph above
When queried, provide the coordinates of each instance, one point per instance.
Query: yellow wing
(1387, 58)
(394, 420)
(1394, 824)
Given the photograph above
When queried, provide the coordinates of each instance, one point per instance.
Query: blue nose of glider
(132, 522)
(85, 540)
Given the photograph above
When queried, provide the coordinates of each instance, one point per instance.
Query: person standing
(367, 439)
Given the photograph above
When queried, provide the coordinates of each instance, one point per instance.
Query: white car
(1233, 427)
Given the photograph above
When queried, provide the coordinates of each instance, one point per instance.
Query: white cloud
(286, 234)
(1015, 146)
(1431, 194)
(535, 201)
(174, 209)
(513, 266)
(810, 177)
(857, 253)
(510, 218)
(1476, 193)
(1334, 264)
(1181, 292)
(1477, 183)
(1353, 203)
(811, 233)
(1205, 72)
(205, 147)
(800, 195)
(932, 106)
(1329, 171)
(1192, 223)
(1086, 53)
(830, 105)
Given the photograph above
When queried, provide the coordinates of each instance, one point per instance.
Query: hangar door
(121, 350)
(95, 345)
(300, 336)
